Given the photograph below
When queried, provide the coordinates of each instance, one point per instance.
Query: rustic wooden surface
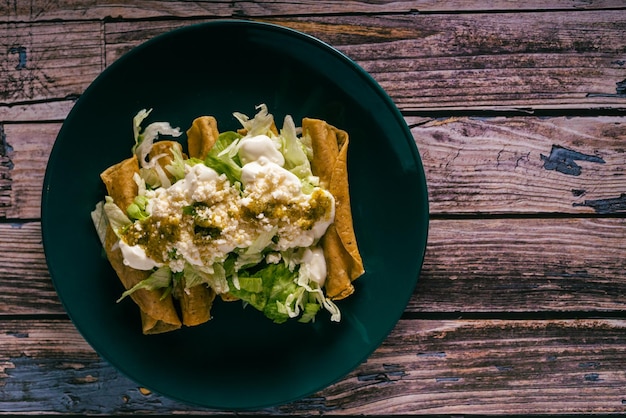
(518, 110)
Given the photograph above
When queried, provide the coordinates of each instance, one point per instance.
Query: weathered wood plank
(524, 164)
(38, 10)
(47, 61)
(25, 112)
(473, 165)
(523, 265)
(24, 277)
(558, 60)
(24, 153)
(425, 62)
(536, 60)
(487, 265)
(423, 367)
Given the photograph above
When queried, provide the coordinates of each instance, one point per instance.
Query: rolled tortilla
(196, 302)
(195, 305)
(201, 136)
(157, 314)
(330, 164)
(163, 150)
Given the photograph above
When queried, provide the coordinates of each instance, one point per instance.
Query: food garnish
(257, 215)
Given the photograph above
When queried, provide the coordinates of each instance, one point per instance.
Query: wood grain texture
(524, 164)
(473, 165)
(24, 152)
(449, 62)
(24, 277)
(519, 308)
(423, 367)
(41, 10)
(26, 112)
(430, 62)
(47, 61)
(523, 265)
(453, 62)
(486, 265)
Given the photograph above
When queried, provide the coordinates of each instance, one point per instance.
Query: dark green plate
(238, 360)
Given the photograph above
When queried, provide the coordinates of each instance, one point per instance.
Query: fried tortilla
(163, 150)
(157, 314)
(330, 157)
(195, 302)
(201, 136)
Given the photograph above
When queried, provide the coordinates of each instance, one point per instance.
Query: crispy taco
(330, 164)
(195, 302)
(257, 215)
(157, 312)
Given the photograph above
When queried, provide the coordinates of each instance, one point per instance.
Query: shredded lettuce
(138, 209)
(159, 279)
(275, 290)
(137, 121)
(118, 220)
(100, 221)
(223, 156)
(259, 125)
(146, 137)
(272, 283)
(177, 167)
(215, 277)
(150, 171)
(296, 159)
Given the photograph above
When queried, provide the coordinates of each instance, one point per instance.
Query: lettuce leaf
(276, 291)
(160, 279)
(215, 277)
(260, 124)
(264, 287)
(223, 156)
(146, 137)
(100, 221)
(292, 149)
(118, 220)
(177, 167)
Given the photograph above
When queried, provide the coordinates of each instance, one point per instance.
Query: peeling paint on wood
(47, 61)
(94, 387)
(621, 88)
(564, 160)
(513, 165)
(6, 165)
(20, 51)
(606, 206)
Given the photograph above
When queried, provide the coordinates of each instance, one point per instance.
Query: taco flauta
(157, 312)
(329, 163)
(257, 215)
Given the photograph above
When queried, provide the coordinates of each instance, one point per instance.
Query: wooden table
(518, 110)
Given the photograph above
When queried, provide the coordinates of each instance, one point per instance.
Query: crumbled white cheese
(211, 217)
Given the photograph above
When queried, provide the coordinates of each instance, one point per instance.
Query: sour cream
(135, 257)
(315, 264)
(253, 148)
(266, 174)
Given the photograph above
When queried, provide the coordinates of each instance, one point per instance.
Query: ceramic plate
(239, 359)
